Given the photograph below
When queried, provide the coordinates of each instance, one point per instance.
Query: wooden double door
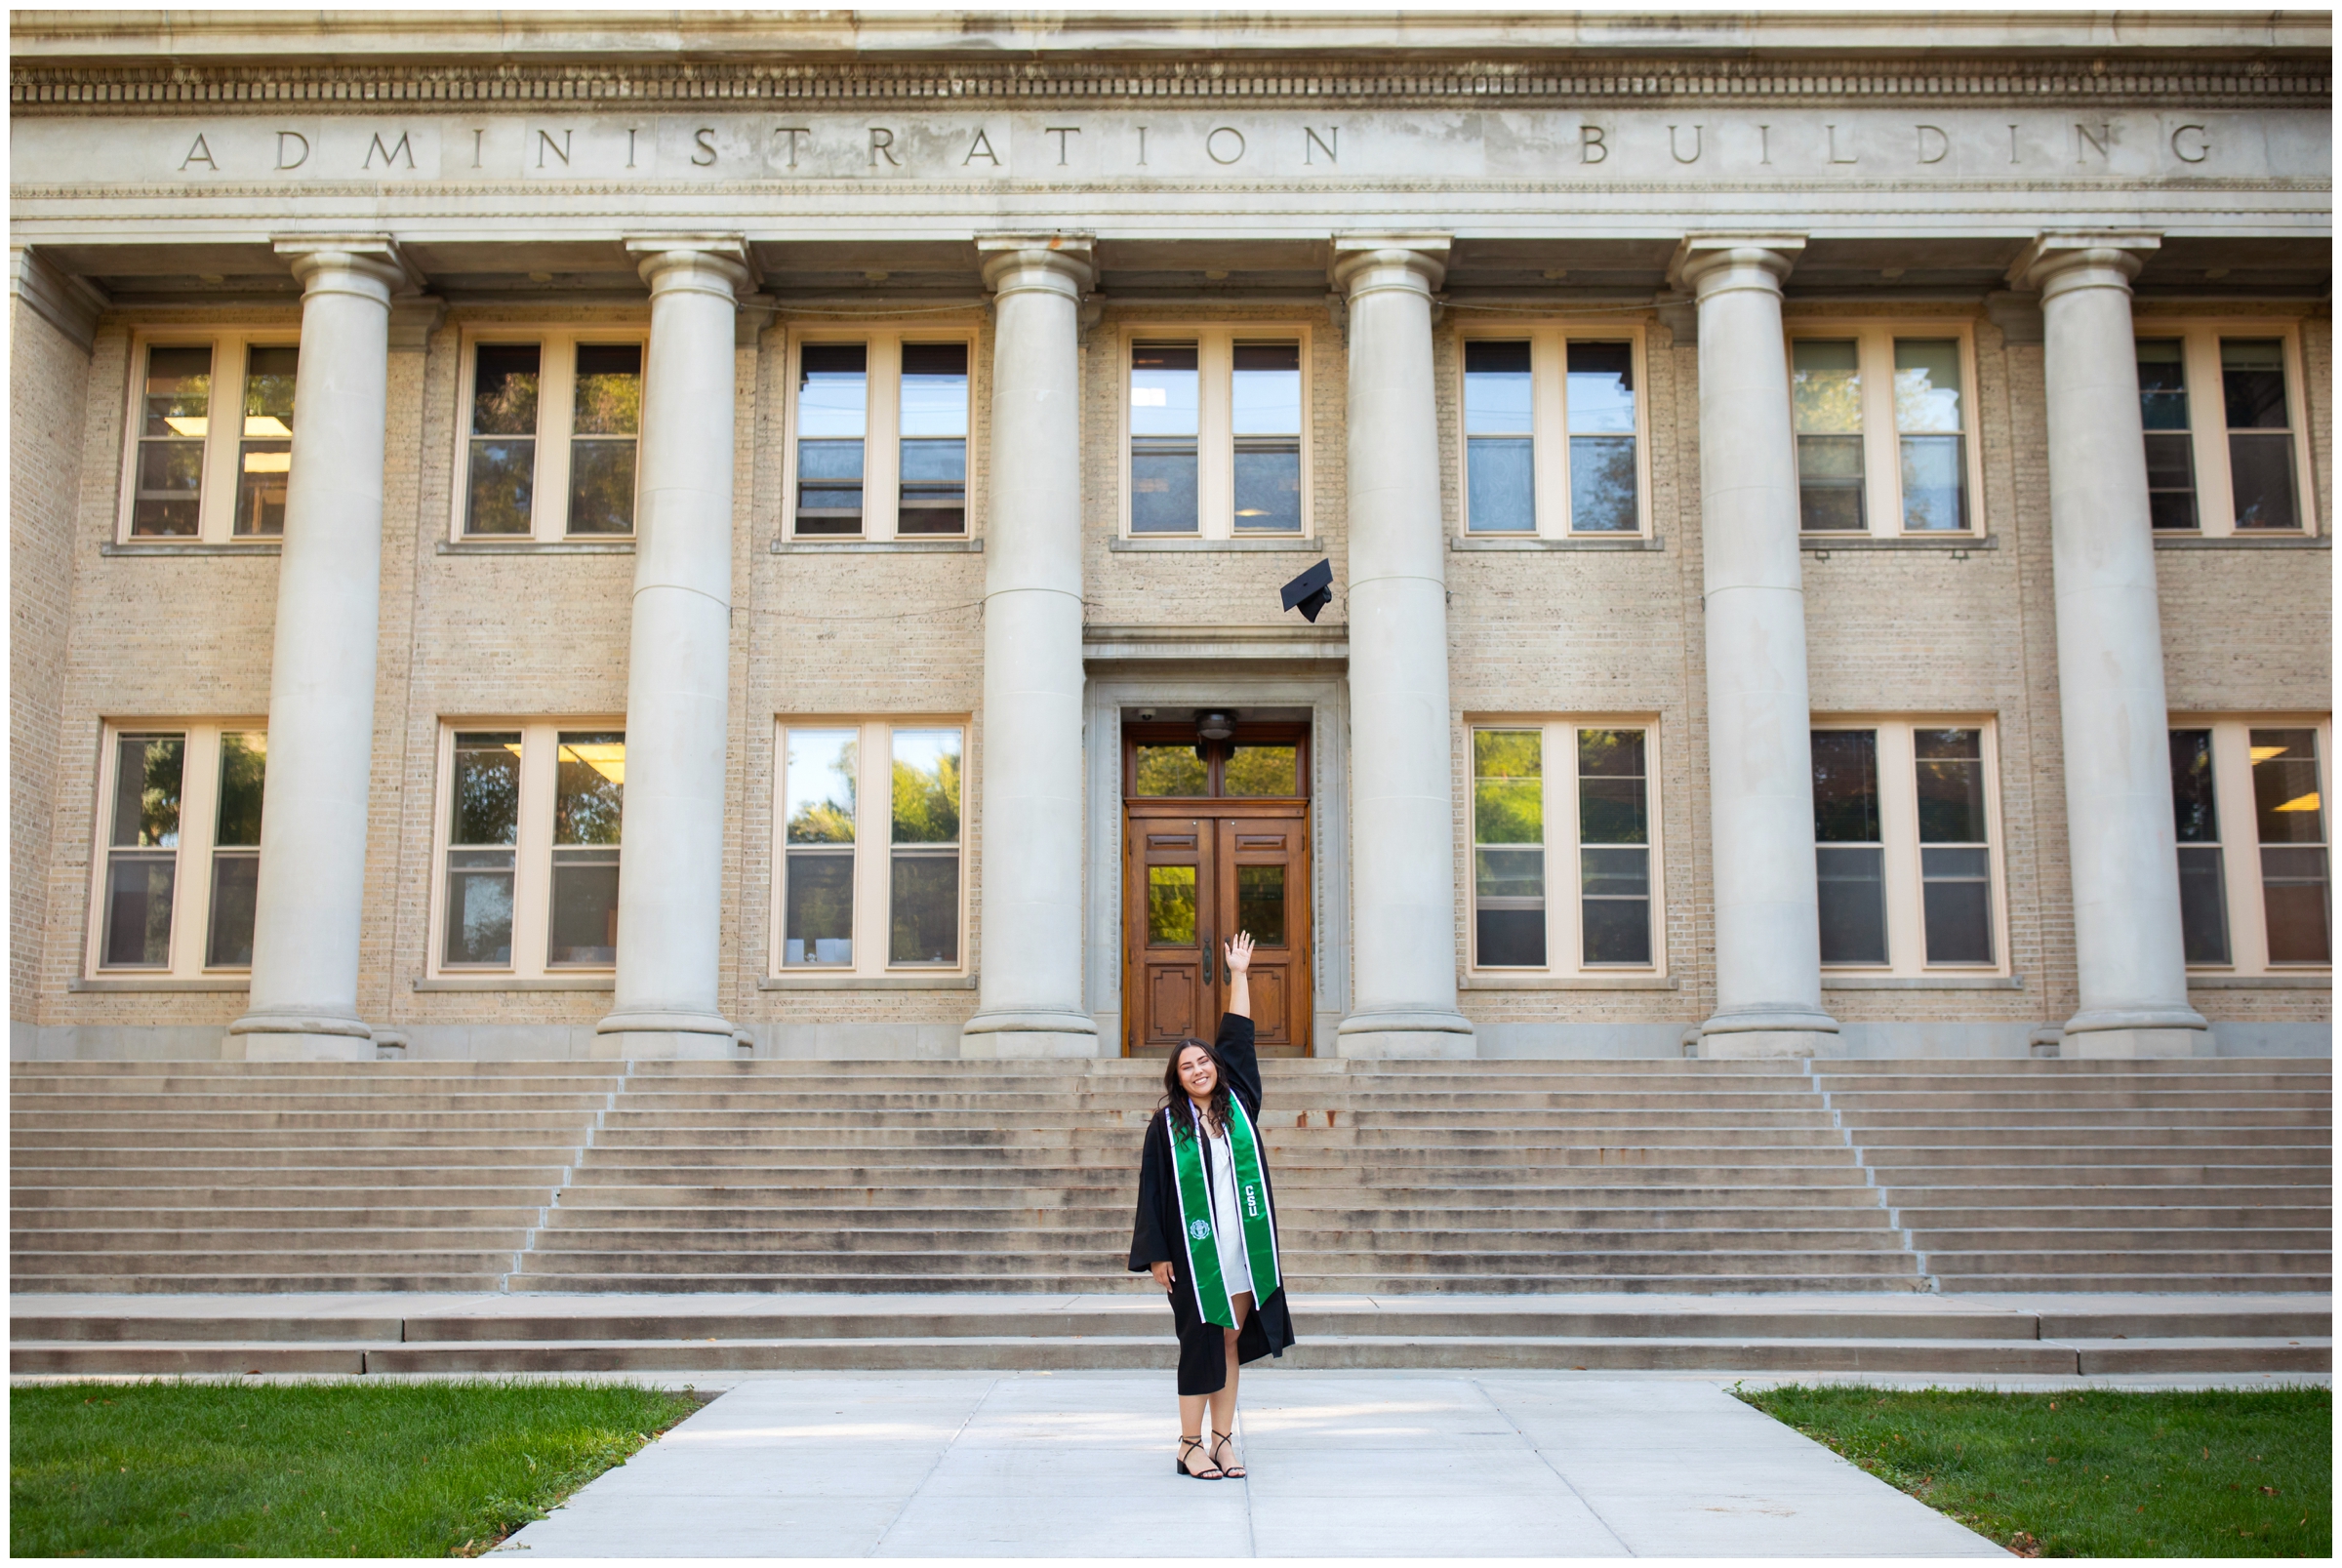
(1198, 870)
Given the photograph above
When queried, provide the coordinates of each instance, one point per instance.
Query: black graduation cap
(1312, 591)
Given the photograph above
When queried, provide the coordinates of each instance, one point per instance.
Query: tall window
(2255, 872)
(191, 476)
(1881, 417)
(880, 446)
(554, 423)
(870, 865)
(178, 861)
(1564, 849)
(530, 847)
(2226, 446)
(1906, 863)
(1216, 432)
(1551, 435)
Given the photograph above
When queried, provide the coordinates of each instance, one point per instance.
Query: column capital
(696, 264)
(1056, 260)
(2061, 258)
(1364, 263)
(369, 265)
(1703, 260)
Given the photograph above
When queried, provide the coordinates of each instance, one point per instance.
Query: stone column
(312, 879)
(1402, 845)
(1030, 1003)
(1768, 946)
(672, 842)
(2128, 956)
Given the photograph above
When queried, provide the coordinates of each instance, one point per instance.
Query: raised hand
(1239, 952)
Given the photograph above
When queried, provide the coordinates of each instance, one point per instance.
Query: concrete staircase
(1413, 1179)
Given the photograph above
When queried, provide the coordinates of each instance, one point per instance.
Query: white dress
(1228, 1225)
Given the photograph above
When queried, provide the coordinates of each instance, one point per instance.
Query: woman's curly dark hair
(1175, 1093)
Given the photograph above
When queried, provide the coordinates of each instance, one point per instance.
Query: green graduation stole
(1195, 1216)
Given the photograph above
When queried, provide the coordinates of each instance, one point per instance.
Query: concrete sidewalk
(1342, 1465)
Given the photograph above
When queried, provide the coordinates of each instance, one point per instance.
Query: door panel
(1167, 876)
(1190, 884)
(1261, 869)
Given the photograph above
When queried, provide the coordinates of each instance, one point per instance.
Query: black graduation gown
(1158, 1231)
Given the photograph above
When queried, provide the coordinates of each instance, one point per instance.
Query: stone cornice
(587, 76)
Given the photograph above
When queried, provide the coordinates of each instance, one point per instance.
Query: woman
(1207, 1225)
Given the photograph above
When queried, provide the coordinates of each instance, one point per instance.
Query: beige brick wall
(873, 634)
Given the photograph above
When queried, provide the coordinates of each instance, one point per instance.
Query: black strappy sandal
(1180, 1462)
(1229, 1473)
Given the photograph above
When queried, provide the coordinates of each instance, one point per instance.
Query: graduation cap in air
(1312, 591)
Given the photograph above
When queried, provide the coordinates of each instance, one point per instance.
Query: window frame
(532, 849)
(882, 422)
(556, 410)
(2215, 489)
(1564, 935)
(873, 895)
(2234, 811)
(1881, 437)
(198, 830)
(215, 510)
(1903, 894)
(1548, 423)
(1214, 422)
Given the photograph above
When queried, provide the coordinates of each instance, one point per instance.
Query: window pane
(1268, 473)
(479, 908)
(1601, 390)
(263, 470)
(1957, 889)
(148, 775)
(609, 393)
(1610, 787)
(1611, 754)
(1171, 905)
(830, 487)
(1928, 386)
(817, 926)
(1508, 793)
(243, 780)
(1616, 905)
(2261, 476)
(270, 373)
(1500, 479)
(1260, 770)
(1168, 770)
(1950, 778)
(1508, 908)
(819, 786)
(2252, 383)
(601, 487)
(503, 487)
(2162, 385)
(1266, 396)
(2287, 804)
(1852, 904)
(2297, 905)
(178, 393)
(935, 389)
(265, 458)
(487, 789)
(1935, 483)
(170, 486)
(583, 919)
(1162, 389)
(2202, 904)
(1261, 904)
(589, 787)
(1825, 387)
(1602, 485)
(2170, 480)
(137, 910)
(2195, 818)
(503, 390)
(1845, 786)
(235, 896)
(833, 390)
(926, 787)
(1829, 487)
(1497, 394)
(1162, 485)
(176, 418)
(934, 487)
(924, 904)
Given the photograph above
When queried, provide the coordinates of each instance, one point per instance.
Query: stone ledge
(867, 983)
(1178, 545)
(1568, 983)
(1922, 982)
(191, 546)
(1590, 541)
(160, 982)
(2243, 542)
(535, 546)
(514, 982)
(2260, 983)
(877, 547)
(1824, 544)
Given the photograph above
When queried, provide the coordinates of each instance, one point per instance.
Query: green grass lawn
(417, 1470)
(2211, 1473)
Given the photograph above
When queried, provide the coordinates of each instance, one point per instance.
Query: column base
(1425, 1036)
(665, 1037)
(1027, 1036)
(296, 1037)
(2136, 1034)
(1769, 1033)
